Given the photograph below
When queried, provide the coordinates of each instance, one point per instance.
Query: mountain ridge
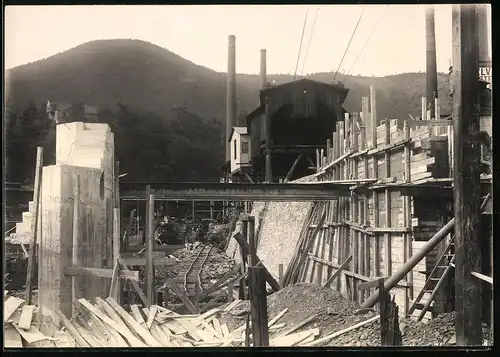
(151, 78)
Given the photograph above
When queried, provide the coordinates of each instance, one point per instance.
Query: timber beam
(207, 191)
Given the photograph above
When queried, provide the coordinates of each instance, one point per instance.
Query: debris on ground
(104, 323)
(333, 313)
(298, 315)
(439, 331)
(215, 267)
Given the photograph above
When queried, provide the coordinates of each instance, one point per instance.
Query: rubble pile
(330, 312)
(303, 301)
(439, 331)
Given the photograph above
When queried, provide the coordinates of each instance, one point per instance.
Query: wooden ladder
(444, 262)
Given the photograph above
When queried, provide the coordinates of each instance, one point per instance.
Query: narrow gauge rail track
(192, 277)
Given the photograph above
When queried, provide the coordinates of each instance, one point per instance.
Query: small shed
(240, 149)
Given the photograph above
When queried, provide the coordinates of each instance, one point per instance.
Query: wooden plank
(157, 260)
(136, 313)
(32, 334)
(134, 341)
(483, 277)
(86, 332)
(232, 305)
(101, 273)
(293, 339)
(134, 284)
(12, 338)
(9, 306)
(150, 287)
(76, 234)
(181, 295)
(72, 330)
(117, 288)
(26, 317)
(115, 339)
(299, 325)
(339, 270)
(152, 312)
(342, 332)
(440, 122)
(143, 332)
(34, 224)
(113, 290)
(244, 245)
(309, 244)
(370, 284)
(277, 317)
(64, 339)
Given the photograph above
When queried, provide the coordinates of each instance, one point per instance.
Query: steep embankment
(279, 233)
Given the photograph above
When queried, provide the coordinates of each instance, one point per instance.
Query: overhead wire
(367, 40)
(300, 47)
(309, 44)
(347, 48)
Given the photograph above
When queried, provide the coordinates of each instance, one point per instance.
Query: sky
(200, 34)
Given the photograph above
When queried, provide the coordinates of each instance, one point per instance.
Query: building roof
(339, 86)
(242, 130)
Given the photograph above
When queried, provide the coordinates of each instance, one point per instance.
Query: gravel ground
(215, 267)
(335, 313)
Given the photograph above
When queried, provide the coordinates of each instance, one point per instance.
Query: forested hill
(167, 112)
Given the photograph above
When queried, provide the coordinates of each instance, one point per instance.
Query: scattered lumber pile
(104, 323)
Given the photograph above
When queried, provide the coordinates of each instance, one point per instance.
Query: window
(235, 148)
(244, 147)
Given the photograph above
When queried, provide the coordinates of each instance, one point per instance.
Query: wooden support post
(424, 109)
(328, 152)
(34, 226)
(76, 234)
(258, 306)
(280, 275)
(243, 243)
(466, 176)
(373, 119)
(150, 284)
(244, 262)
(408, 239)
(383, 301)
(118, 292)
(387, 159)
(251, 241)
(354, 234)
(117, 184)
(211, 209)
(437, 115)
(292, 169)
(192, 210)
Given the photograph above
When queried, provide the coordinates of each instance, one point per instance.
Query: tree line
(182, 146)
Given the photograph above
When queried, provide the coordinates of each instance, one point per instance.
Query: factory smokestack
(431, 68)
(230, 93)
(263, 71)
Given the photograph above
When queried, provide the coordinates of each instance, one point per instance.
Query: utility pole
(466, 174)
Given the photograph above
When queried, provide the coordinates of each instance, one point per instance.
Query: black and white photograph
(233, 176)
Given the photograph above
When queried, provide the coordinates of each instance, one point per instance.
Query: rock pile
(440, 331)
(335, 313)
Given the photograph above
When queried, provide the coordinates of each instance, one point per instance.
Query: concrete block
(56, 238)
